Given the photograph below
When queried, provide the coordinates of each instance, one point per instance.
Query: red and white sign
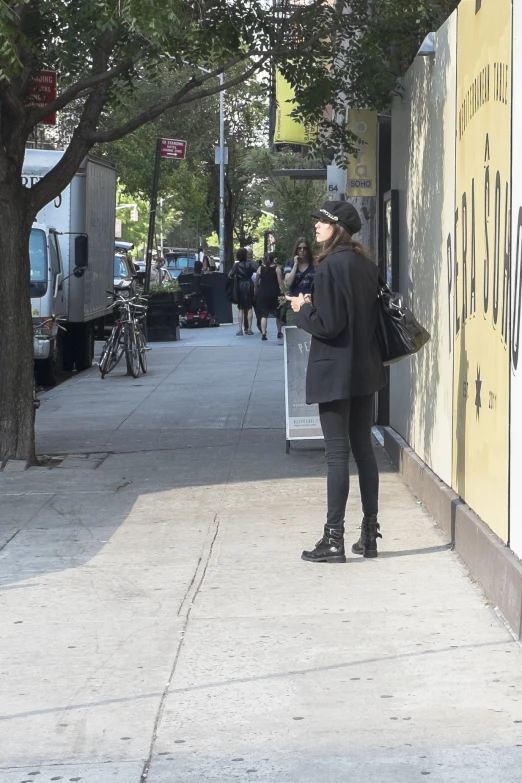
(42, 91)
(173, 148)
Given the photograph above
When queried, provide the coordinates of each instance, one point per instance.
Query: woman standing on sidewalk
(299, 272)
(345, 370)
(243, 271)
(268, 286)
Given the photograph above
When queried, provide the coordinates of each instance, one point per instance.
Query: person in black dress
(345, 370)
(244, 271)
(268, 287)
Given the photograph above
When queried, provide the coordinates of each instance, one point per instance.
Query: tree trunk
(16, 332)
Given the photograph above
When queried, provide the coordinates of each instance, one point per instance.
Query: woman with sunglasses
(345, 370)
(299, 273)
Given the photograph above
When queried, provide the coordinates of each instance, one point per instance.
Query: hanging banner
(482, 260)
(362, 167)
(515, 491)
(288, 130)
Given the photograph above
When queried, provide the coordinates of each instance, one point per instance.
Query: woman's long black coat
(344, 359)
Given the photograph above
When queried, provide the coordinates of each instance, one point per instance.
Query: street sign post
(42, 91)
(170, 149)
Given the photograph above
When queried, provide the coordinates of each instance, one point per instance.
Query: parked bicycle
(127, 337)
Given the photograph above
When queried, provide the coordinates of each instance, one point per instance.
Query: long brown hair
(304, 241)
(269, 259)
(340, 237)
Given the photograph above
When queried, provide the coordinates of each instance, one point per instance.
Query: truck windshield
(38, 255)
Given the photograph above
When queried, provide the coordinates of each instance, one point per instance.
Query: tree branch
(37, 114)
(75, 90)
(10, 100)
(186, 95)
(52, 184)
(180, 97)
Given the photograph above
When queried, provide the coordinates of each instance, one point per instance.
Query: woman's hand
(296, 302)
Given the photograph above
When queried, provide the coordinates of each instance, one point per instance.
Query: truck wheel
(45, 369)
(68, 349)
(83, 346)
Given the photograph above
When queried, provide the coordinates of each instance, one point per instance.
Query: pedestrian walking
(198, 270)
(156, 271)
(268, 288)
(299, 273)
(242, 273)
(345, 370)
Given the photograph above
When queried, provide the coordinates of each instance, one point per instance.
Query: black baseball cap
(340, 213)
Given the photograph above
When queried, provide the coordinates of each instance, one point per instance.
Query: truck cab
(72, 263)
(47, 298)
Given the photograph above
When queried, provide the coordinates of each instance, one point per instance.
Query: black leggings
(345, 423)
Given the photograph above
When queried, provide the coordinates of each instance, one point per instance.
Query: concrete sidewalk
(158, 623)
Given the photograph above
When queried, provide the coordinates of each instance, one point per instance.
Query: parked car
(180, 263)
(166, 274)
(124, 275)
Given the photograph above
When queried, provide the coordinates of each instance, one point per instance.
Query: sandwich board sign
(302, 420)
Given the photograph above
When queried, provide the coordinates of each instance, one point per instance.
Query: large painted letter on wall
(516, 293)
(482, 260)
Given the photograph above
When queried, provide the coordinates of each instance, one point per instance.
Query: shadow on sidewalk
(335, 667)
(58, 519)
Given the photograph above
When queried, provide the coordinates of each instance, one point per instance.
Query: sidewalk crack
(188, 599)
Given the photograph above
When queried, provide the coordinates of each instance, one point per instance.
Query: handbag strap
(383, 287)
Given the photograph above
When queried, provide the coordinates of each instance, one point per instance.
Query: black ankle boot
(330, 549)
(367, 543)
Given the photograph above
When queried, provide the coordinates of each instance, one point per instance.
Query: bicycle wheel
(111, 353)
(142, 347)
(132, 353)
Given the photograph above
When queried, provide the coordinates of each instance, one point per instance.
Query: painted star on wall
(478, 387)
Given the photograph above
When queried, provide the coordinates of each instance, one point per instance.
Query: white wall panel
(423, 171)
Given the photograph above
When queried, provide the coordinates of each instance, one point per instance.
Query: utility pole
(152, 217)
(221, 177)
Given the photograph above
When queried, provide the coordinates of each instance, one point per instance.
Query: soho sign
(361, 183)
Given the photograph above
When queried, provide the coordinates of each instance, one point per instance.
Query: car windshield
(180, 262)
(38, 256)
(183, 262)
(120, 267)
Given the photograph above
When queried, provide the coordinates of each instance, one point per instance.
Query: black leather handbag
(232, 288)
(399, 333)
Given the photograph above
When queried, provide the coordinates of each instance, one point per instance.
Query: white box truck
(74, 231)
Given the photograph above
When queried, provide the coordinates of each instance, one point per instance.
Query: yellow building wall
(482, 260)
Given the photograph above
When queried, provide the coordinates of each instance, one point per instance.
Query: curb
(491, 563)
(50, 393)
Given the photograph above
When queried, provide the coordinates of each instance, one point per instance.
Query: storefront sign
(302, 420)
